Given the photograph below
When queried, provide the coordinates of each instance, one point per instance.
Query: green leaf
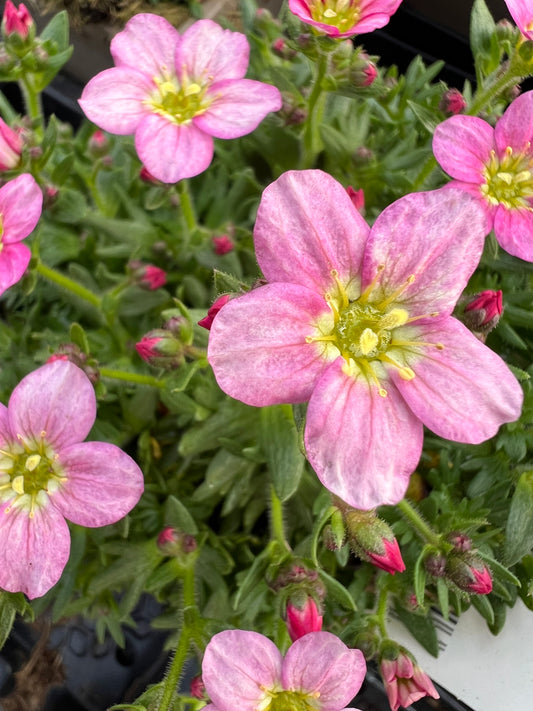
(519, 530)
(70, 207)
(483, 606)
(177, 515)
(279, 441)
(420, 578)
(442, 592)
(79, 338)
(337, 592)
(482, 27)
(421, 627)
(57, 30)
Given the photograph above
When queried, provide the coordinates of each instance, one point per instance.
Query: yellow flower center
(289, 701)
(509, 180)
(178, 101)
(342, 14)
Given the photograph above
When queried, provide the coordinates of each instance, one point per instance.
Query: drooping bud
(373, 540)
(10, 147)
(368, 642)
(160, 349)
(452, 102)
(302, 617)
(207, 321)
(147, 276)
(469, 573)
(404, 681)
(16, 20)
(482, 312)
(222, 244)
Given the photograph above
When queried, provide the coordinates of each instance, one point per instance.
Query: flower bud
(452, 102)
(98, 143)
(147, 177)
(435, 564)
(482, 312)
(363, 72)
(16, 21)
(10, 147)
(173, 542)
(404, 681)
(357, 197)
(282, 49)
(368, 642)
(469, 573)
(198, 688)
(222, 244)
(302, 617)
(147, 276)
(160, 349)
(460, 541)
(363, 155)
(207, 321)
(372, 540)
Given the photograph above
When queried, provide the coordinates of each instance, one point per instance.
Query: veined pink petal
(238, 667)
(362, 446)
(514, 231)
(238, 108)
(207, 51)
(307, 227)
(103, 484)
(436, 237)
(321, 662)
(170, 151)
(375, 14)
(147, 43)
(14, 259)
(515, 127)
(462, 146)
(257, 345)
(114, 99)
(6, 435)
(21, 203)
(522, 13)
(57, 399)
(34, 551)
(463, 392)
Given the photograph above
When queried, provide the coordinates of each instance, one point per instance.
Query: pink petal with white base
(172, 152)
(258, 349)
(238, 107)
(34, 550)
(306, 227)
(103, 484)
(206, 50)
(147, 43)
(237, 667)
(14, 259)
(43, 402)
(515, 128)
(463, 392)
(514, 231)
(319, 662)
(21, 203)
(462, 146)
(362, 446)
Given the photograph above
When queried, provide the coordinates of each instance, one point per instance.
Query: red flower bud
(222, 244)
(207, 321)
(147, 276)
(469, 573)
(173, 542)
(98, 143)
(302, 619)
(198, 688)
(404, 681)
(452, 102)
(17, 21)
(160, 349)
(357, 197)
(483, 311)
(10, 147)
(372, 539)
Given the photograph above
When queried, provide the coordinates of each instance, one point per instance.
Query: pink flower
(357, 321)
(303, 619)
(17, 21)
(222, 244)
(48, 473)
(496, 166)
(213, 310)
(20, 209)
(344, 18)
(10, 147)
(245, 671)
(404, 681)
(522, 13)
(176, 93)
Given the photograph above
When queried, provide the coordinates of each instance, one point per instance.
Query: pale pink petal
(57, 399)
(522, 13)
(514, 231)
(147, 43)
(238, 667)
(375, 14)
(170, 151)
(463, 392)
(21, 203)
(436, 238)
(307, 228)
(14, 259)
(258, 349)
(210, 53)
(515, 128)
(238, 108)
(114, 99)
(6, 435)
(462, 146)
(362, 446)
(34, 551)
(103, 484)
(320, 662)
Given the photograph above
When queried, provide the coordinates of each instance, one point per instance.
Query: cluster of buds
(482, 312)
(73, 353)
(175, 543)
(351, 67)
(292, 112)
(147, 276)
(302, 594)
(404, 681)
(168, 347)
(461, 566)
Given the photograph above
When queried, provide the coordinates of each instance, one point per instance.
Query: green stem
(32, 102)
(314, 111)
(136, 378)
(514, 73)
(381, 612)
(418, 523)
(276, 518)
(186, 204)
(68, 284)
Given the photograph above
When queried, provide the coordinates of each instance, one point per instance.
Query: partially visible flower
(469, 573)
(48, 473)
(357, 321)
(10, 147)
(404, 681)
(147, 276)
(452, 102)
(373, 540)
(161, 349)
(21, 203)
(303, 618)
(246, 671)
(483, 311)
(207, 321)
(344, 18)
(522, 13)
(147, 177)
(223, 244)
(16, 20)
(176, 93)
(496, 166)
(357, 197)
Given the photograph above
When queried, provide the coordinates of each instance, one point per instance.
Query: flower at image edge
(344, 18)
(176, 93)
(357, 322)
(522, 13)
(49, 474)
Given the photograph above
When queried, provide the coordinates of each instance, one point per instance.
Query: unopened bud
(98, 143)
(282, 49)
(435, 564)
(460, 541)
(16, 20)
(147, 276)
(198, 688)
(363, 72)
(357, 197)
(372, 540)
(222, 244)
(362, 155)
(147, 177)
(207, 321)
(469, 573)
(368, 642)
(173, 542)
(302, 617)
(160, 349)
(483, 311)
(452, 102)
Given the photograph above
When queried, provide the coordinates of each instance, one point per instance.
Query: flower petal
(463, 392)
(57, 399)
(258, 349)
(209, 52)
(147, 43)
(238, 108)
(170, 151)
(14, 259)
(34, 551)
(362, 446)
(522, 13)
(320, 662)
(462, 146)
(515, 127)
(436, 237)
(514, 231)
(238, 667)
(114, 99)
(21, 202)
(103, 484)
(306, 227)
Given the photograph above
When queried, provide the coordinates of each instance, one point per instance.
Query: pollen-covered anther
(368, 340)
(18, 484)
(395, 318)
(32, 462)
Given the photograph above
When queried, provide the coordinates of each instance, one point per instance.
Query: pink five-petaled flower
(21, 203)
(246, 671)
(495, 165)
(176, 93)
(522, 13)
(405, 682)
(48, 473)
(357, 321)
(344, 18)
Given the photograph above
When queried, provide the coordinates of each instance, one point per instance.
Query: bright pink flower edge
(373, 15)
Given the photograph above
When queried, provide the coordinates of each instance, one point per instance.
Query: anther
(368, 340)
(32, 462)
(18, 484)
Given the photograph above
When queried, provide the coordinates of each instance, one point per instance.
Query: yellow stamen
(397, 292)
(32, 462)
(366, 293)
(18, 484)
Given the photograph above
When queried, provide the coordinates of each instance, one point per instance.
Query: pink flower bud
(452, 102)
(372, 539)
(404, 681)
(160, 349)
(98, 143)
(147, 177)
(460, 541)
(17, 21)
(222, 244)
(173, 542)
(147, 276)
(303, 619)
(483, 311)
(469, 573)
(357, 197)
(363, 72)
(207, 321)
(10, 147)
(198, 688)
